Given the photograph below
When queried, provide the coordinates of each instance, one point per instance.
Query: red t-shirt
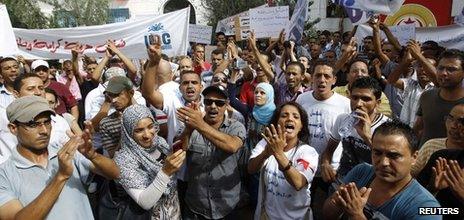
(199, 69)
(66, 99)
(247, 93)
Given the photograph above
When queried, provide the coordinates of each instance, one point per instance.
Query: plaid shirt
(283, 94)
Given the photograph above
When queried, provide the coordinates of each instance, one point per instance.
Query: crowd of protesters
(323, 127)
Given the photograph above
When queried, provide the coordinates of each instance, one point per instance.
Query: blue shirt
(405, 204)
(23, 180)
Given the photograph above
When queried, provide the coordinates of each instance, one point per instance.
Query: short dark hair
(51, 91)
(270, 56)
(303, 135)
(368, 83)
(218, 51)
(453, 54)
(368, 38)
(357, 59)
(18, 83)
(322, 62)
(300, 65)
(4, 59)
(185, 72)
(220, 33)
(396, 127)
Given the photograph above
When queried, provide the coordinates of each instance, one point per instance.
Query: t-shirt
(433, 109)
(355, 150)
(405, 204)
(65, 98)
(322, 116)
(282, 200)
(394, 95)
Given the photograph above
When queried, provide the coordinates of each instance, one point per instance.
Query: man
(221, 40)
(212, 159)
(323, 107)
(359, 68)
(67, 101)
(9, 70)
(120, 92)
(217, 56)
(411, 87)
(364, 98)
(292, 87)
(69, 78)
(26, 85)
(315, 52)
(40, 181)
(386, 187)
(199, 63)
(436, 103)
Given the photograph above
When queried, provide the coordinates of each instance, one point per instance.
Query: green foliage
(25, 14)
(220, 9)
(72, 13)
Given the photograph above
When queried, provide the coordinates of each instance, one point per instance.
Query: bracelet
(287, 167)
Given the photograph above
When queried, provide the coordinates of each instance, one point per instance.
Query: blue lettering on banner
(165, 36)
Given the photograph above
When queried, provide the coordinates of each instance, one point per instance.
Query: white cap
(38, 63)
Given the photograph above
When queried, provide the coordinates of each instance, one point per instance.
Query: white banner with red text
(128, 36)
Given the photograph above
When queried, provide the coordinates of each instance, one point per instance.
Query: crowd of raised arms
(326, 128)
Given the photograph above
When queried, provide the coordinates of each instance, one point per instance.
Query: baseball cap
(119, 83)
(218, 89)
(112, 72)
(26, 108)
(38, 63)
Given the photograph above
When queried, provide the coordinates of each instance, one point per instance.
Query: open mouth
(289, 128)
(212, 114)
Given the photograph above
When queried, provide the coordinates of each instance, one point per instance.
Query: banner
(128, 37)
(200, 33)
(299, 17)
(268, 22)
(451, 36)
(8, 45)
(375, 6)
(227, 25)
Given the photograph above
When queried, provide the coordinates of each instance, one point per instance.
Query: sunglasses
(219, 79)
(218, 102)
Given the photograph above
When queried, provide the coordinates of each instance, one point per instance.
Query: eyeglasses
(448, 69)
(218, 102)
(219, 79)
(455, 119)
(35, 124)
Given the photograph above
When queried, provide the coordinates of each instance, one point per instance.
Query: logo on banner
(165, 36)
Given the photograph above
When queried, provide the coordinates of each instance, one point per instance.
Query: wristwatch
(288, 166)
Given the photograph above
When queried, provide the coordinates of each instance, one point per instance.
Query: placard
(8, 46)
(269, 22)
(200, 33)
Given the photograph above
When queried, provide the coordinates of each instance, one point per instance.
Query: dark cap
(25, 109)
(218, 89)
(119, 83)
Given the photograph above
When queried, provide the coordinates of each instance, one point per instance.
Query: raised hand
(190, 116)
(86, 147)
(174, 162)
(454, 176)
(438, 177)
(352, 200)
(154, 50)
(363, 127)
(66, 155)
(252, 40)
(275, 138)
(414, 48)
(282, 37)
(328, 173)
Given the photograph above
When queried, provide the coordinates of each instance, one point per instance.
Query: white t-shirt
(283, 201)
(322, 116)
(168, 89)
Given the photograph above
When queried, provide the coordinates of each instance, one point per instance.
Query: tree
(72, 13)
(25, 14)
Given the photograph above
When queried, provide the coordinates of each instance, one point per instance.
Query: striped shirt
(110, 129)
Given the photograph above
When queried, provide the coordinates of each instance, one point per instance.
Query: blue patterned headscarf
(137, 167)
(263, 114)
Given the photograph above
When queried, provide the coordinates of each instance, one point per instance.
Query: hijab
(137, 167)
(263, 114)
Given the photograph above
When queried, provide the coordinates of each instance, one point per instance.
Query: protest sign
(404, 32)
(200, 33)
(375, 6)
(8, 45)
(227, 25)
(269, 22)
(128, 36)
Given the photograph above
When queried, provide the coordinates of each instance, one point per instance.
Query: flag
(297, 22)
(8, 46)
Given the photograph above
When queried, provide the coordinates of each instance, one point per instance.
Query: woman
(146, 171)
(257, 118)
(287, 166)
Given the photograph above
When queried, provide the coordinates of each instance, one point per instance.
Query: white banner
(200, 33)
(227, 25)
(269, 22)
(451, 36)
(8, 45)
(377, 6)
(128, 37)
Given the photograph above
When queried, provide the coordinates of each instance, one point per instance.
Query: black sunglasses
(219, 79)
(218, 102)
